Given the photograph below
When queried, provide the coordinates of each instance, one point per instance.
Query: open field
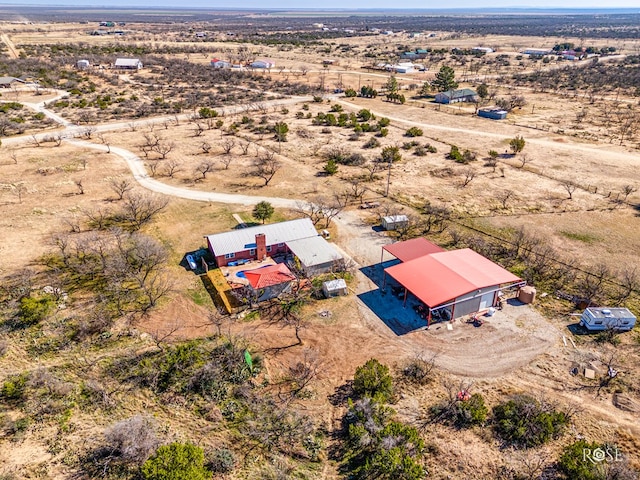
(103, 352)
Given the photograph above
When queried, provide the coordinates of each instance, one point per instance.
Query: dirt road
(13, 53)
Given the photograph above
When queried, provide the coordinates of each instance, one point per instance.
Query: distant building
(128, 64)
(393, 222)
(8, 82)
(263, 63)
(456, 96)
(82, 64)
(493, 113)
(483, 49)
(537, 51)
(217, 63)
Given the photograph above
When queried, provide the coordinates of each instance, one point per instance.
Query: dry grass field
(566, 189)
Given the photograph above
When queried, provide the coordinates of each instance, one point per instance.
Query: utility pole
(386, 194)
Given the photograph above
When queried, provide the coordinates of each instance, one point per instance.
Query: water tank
(527, 294)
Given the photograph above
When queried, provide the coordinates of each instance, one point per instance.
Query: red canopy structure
(447, 277)
(411, 249)
(270, 275)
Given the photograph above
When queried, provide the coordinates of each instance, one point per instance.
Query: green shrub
(13, 388)
(454, 154)
(177, 461)
(414, 132)
(573, 464)
(331, 167)
(373, 142)
(527, 422)
(32, 310)
(373, 380)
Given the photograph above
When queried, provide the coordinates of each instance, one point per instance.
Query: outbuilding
(128, 64)
(82, 64)
(493, 113)
(334, 288)
(393, 222)
(450, 283)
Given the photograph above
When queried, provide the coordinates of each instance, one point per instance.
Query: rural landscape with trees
(139, 341)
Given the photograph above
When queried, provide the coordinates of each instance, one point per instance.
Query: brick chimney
(261, 246)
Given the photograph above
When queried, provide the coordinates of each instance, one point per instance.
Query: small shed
(393, 222)
(493, 113)
(334, 288)
(82, 64)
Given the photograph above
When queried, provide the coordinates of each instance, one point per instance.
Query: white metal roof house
(316, 255)
(8, 82)
(128, 64)
(258, 242)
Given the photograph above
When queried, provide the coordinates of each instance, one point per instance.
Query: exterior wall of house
(222, 261)
(315, 270)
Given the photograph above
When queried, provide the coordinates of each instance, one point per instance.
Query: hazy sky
(344, 4)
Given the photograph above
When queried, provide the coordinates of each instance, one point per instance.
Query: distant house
(263, 63)
(217, 63)
(201, 34)
(455, 96)
(9, 82)
(128, 64)
(82, 64)
(493, 113)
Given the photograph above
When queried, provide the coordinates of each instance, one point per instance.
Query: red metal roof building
(461, 281)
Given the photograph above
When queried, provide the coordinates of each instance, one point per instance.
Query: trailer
(598, 319)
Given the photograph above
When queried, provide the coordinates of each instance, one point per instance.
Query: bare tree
(227, 145)
(35, 140)
(198, 130)
(504, 197)
(104, 140)
(79, 186)
(469, 174)
(266, 166)
(120, 186)
(133, 126)
(205, 147)
(164, 148)
(19, 189)
(139, 209)
(205, 167)
(358, 189)
(302, 374)
(570, 186)
(88, 132)
(628, 190)
(524, 159)
(172, 167)
(245, 147)
(372, 168)
(153, 165)
(14, 156)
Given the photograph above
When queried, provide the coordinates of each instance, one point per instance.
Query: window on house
(230, 255)
(252, 251)
(281, 244)
(268, 248)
